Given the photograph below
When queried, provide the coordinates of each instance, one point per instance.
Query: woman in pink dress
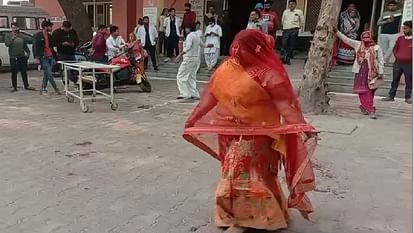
(368, 69)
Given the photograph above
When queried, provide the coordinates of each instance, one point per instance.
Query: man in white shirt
(114, 43)
(148, 35)
(172, 26)
(292, 21)
(187, 73)
(212, 34)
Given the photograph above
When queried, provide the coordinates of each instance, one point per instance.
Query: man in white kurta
(212, 36)
(187, 73)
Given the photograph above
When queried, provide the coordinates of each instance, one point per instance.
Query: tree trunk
(75, 12)
(313, 89)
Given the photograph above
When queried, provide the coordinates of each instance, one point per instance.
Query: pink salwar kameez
(366, 95)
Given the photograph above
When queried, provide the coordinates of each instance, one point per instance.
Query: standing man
(19, 53)
(187, 73)
(115, 43)
(66, 40)
(44, 54)
(188, 19)
(271, 18)
(172, 32)
(212, 51)
(99, 45)
(255, 22)
(148, 35)
(403, 63)
(211, 14)
(390, 23)
(292, 22)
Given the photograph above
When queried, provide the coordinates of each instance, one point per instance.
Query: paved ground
(129, 171)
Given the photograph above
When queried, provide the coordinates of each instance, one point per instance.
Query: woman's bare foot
(235, 230)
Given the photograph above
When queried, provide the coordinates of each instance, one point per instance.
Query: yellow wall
(301, 4)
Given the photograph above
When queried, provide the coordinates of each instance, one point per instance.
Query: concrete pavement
(129, 171)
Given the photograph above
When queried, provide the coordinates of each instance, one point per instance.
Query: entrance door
(239, 12)
(365, 11)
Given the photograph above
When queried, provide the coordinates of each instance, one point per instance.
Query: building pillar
(124, 15)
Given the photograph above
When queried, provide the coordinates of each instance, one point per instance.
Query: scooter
(130, 73)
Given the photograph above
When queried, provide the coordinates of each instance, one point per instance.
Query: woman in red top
(138, 51)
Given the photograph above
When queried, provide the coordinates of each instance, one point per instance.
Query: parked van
(29, 18)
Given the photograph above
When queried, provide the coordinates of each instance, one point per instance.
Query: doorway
(365, 11)
(239, 14)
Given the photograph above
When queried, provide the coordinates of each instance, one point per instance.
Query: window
(99, 13)
(312, 13)
(40, 21)
(4, 22)
(28, 23)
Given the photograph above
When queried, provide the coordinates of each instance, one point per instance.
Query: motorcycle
(129, 73)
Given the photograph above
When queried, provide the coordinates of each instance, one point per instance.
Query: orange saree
(253, 125)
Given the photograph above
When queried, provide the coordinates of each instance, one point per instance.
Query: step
(348, 88)
(167, 69)
(387, 80)
(342, 67)
(351, 74)
(174, 76)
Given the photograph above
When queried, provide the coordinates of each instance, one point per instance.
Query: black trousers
(398, 70)
(151, 51)
(19, 64)
(162, 43)
(72, 74)
(172, 46)
(289, 38)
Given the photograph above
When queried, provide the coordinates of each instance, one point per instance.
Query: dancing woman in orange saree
(250, 120)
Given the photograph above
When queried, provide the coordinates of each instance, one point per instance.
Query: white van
(29, 19)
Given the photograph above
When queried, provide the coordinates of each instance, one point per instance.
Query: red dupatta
(250, 94)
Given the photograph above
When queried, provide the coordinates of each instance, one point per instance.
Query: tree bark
(313, 89)
(75, 12)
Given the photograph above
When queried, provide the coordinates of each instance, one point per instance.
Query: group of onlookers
(64, 39)
(196, 42)
(215, 40)
(265, 19)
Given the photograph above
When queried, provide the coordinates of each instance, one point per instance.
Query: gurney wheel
(84, 108)
(114, 106)
(70, 99)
